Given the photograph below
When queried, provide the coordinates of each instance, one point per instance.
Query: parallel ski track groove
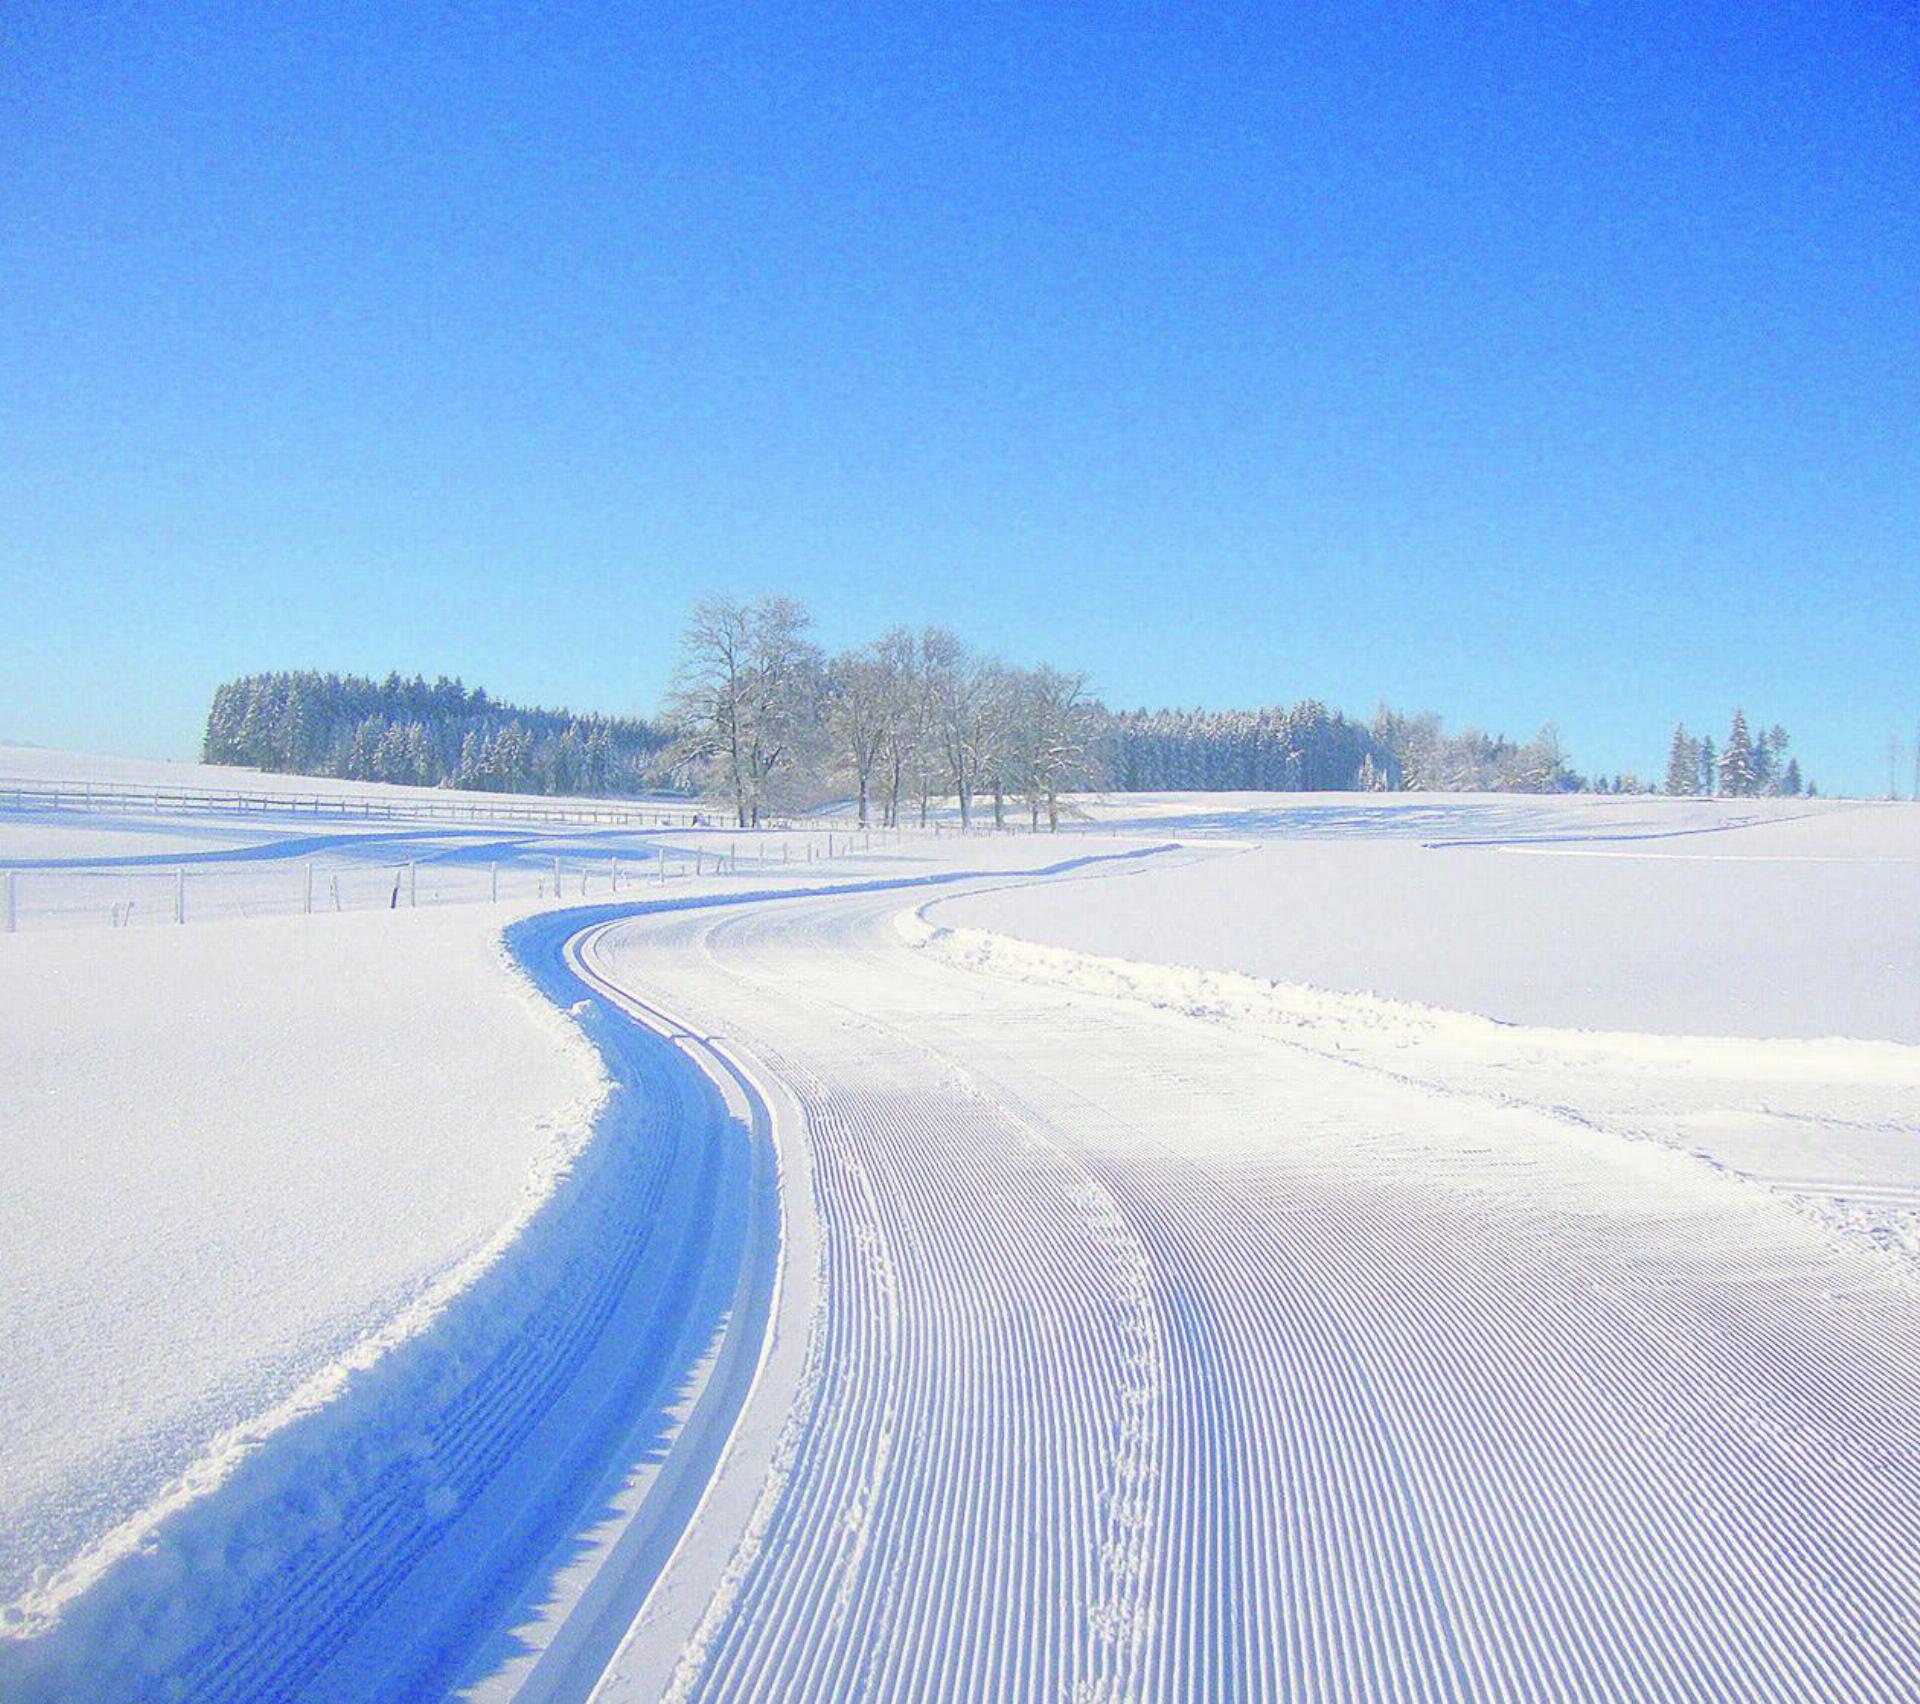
(313, 1600)
(639, 1228)
(1096, 1418)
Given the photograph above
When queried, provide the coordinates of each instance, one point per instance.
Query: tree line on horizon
(764, 719)
(760, 717)
(442, 734)
(1748, 766)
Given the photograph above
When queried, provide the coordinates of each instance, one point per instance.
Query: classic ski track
(679, 1492)
(477, 1450)
(669, 1179)
(1159, 1362)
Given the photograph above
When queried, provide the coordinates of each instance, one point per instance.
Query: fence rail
(669, 846)
(24, 796)
(118, 895)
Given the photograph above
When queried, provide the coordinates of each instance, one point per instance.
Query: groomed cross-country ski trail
(938, 1318)
(1154, 1360)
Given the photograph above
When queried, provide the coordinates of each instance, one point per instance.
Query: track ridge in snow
(1157, 1362)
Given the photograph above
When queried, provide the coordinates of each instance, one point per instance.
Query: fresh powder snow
(1752, 917)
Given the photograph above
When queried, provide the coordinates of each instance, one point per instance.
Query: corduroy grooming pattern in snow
(1152, 1359)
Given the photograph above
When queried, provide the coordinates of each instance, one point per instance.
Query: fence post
(493, 883)
(7, 907)
(179, 896)
(334, 883)
(663, 866)
(413, 883)
(556, 878)
(613, 873)
(309, 887)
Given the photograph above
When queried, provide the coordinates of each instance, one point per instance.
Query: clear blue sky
(1520, 361)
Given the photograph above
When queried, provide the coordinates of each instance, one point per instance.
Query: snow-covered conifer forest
(761, 718)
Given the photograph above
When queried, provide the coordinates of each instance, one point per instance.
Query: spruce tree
(1739, 773)
(1772, 752)
(1683, 763)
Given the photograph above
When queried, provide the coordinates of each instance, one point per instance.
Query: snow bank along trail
(235, 1157)
(379, 1545)
(1154, 1359)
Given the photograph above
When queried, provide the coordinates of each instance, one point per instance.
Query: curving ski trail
(412, 1528)
(1099, 1353)
(1153, 1360)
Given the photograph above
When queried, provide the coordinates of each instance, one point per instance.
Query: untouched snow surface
(1630, 914)
(235, 1154)
(44, 766)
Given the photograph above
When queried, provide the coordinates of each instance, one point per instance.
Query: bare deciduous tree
(743, 697)
(906, 726)
(1056, 735)
(955, 689)
(863, 705)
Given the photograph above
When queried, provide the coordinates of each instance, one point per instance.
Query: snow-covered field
(1252, 1250)
(235, 1156)
(1767, 917)
(195, 841)
(45, 766)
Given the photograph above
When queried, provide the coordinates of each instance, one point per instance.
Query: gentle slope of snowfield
(1797, 927)
(47, 766)
(937, 1314)
(106, 861)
